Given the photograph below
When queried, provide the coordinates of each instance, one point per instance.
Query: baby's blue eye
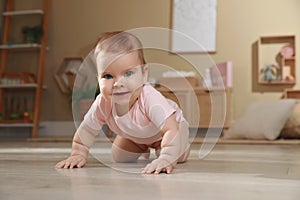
(127, 74)
(107, 76)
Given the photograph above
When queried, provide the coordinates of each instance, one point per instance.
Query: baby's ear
(145, 72)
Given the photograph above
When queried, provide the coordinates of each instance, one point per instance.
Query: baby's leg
(125, 150)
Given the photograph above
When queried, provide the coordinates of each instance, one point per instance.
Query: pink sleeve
(157, 107)
(95, 117)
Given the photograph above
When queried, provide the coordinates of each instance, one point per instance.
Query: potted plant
(32, 34)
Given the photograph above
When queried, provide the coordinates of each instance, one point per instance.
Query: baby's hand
(71, 162)
(157, 166)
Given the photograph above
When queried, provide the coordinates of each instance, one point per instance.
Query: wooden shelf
(16, 123)
(196, 89)
(14, 96)
(277, 39)
(21, 86)
(25, 85)
(277, 83)
(291, 59)
(21, 46)
(21, 125)
(268, 53)
(23, 12)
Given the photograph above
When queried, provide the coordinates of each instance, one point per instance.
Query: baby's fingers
(157, 166)
(169, 169)
(150, 168)
(68, 163)
(163, 168)
(71, 163)
(65, 164)
(81, 164)
(61, 164)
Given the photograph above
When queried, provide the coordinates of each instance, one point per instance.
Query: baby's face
(121, 81)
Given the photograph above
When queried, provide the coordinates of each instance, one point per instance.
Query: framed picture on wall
(194, 26)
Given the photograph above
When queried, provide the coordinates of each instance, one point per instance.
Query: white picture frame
(194, 26)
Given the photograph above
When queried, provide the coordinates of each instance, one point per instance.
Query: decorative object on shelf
(270, 73)
(178, 79)
(32, 34)
(287, 51)
(66, 73)
(206, 81)
(221, 74)
(17, 109)
(17, 78)
(286, 74)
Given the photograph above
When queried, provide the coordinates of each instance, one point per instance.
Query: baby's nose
(119, 81)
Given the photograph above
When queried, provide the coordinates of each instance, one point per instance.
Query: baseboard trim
(65, 139)
(199, 140)
(59, 129)
(47, 129)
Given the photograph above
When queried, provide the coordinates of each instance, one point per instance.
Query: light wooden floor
(230, 171)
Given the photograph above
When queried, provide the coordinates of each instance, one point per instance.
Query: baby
(140, 116)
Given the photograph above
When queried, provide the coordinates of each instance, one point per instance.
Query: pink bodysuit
(144, 120)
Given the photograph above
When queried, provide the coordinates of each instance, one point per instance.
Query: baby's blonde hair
(119, 43)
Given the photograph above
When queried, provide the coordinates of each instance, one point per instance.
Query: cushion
(291, 129)
(262, 120)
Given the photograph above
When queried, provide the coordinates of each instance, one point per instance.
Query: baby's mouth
(120, 93)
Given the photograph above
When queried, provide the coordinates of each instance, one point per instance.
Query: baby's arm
(173, 146)
(80, 147)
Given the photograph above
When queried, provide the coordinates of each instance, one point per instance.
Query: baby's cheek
(134, 82)
(105, 92)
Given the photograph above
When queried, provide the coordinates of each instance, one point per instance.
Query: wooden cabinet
(201, 107)
(291, 94)
(22, 58)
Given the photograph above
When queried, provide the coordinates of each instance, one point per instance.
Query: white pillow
(263, 120)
